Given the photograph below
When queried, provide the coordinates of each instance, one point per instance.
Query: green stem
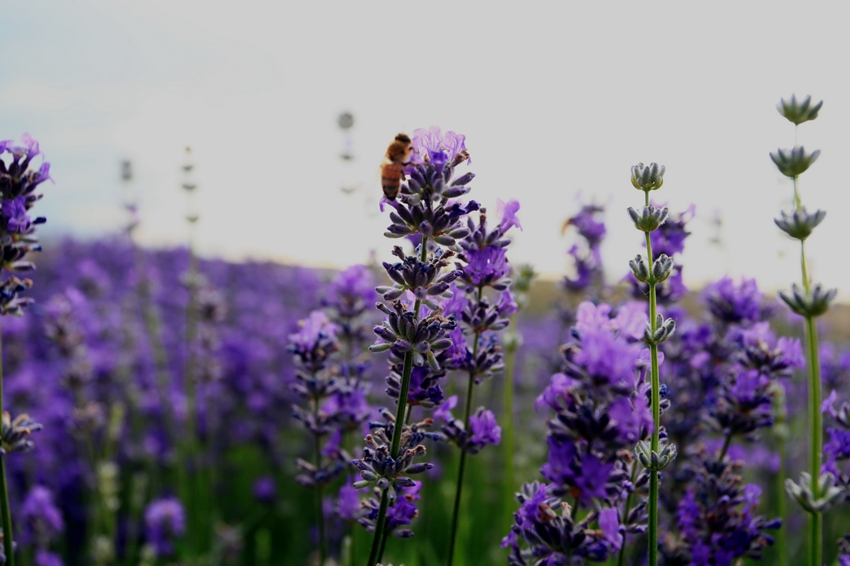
(815, 520)
(462, 468)
(320, 516)
(621, 561)
(8, 549)
(380, 524)
(726, 444)
(652, 542)
(379, 530)
(781, 558)
(508, 429)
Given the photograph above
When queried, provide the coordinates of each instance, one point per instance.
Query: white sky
(554, 98)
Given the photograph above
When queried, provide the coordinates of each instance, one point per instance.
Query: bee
(392, 168)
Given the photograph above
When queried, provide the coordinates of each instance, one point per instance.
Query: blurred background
(556, 101)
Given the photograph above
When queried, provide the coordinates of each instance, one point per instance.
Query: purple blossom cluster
(601, 413)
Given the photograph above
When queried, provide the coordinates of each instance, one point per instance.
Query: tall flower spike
(798, 112)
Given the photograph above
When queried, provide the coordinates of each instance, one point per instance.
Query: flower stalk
(809, 302)
(654, 271)
(379, 540)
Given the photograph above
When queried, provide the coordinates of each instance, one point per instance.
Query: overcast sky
(556, 100)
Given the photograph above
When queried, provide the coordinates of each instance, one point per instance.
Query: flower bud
(639, 269)
(799, 223)
(648, 178)
(799, 112)
(794, 162)
(649, 218)
(662, 267)
(804, 495)
(811, 304)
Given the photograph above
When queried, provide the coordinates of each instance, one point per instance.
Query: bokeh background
(556, 100)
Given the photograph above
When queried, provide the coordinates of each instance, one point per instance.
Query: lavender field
(163, 407)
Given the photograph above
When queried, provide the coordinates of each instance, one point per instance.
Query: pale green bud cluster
(656, 461)
(799, 112)
(799, 223)
(803, 493)
(648, 178)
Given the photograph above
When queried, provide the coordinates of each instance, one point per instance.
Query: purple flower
(352, 291)
(609, 522)
(348, 506)
(586, 268)
(265, 489)
(734, 303)
(484, 428)
(670, 237)
(508, 213)
(588, 225)
(592, 478)
(46, 558)
(438, 147)
(165, 520)
(558, 469)
(42, 517)
(313, 332)
(444, 411)
(484, 266)
(15, 215)
(507, 306)
(606, 358)
(554, 393)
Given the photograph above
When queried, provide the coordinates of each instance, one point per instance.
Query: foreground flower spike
(813, 491)
(653, 456)
(415, 332)
(18, 183)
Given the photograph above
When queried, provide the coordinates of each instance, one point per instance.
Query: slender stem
(8, 549)
(383, 545)
(379, 530)
(621, 561)
(726, 444)
(815, 519)
(797, 202)
(462, 468)
(652, 542)
(380, 523)
(781, 558)
(320, 515)
(508, 429)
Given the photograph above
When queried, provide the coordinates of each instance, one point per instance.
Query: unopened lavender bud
(799, 223)
(392, 293)
(662, 267)
(455, 191)
(648, 178)
(798, 112)
(811, 304)
(802, 492)
(432, 361)
(649, 218)
(793, 162)
(639, 269)
(444, 240)
(463, 179)
(426, 229)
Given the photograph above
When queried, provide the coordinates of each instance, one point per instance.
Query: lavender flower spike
(18, 184)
